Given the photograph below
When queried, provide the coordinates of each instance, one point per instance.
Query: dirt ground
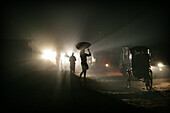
(136, 95)
(29, 88)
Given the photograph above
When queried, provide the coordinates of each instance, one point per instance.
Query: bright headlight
(107, 65)
(49, 55)
(160, 65)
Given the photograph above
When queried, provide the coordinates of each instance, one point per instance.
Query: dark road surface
(25, 88)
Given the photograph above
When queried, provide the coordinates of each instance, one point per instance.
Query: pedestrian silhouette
(84, 64)
(72, 60)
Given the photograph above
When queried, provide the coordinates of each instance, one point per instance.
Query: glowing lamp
(160, 65)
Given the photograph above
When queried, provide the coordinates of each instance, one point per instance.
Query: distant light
(93, 59)
(63, 58)
(89, 61)
(148, 51)
(130, 56)
(69, 53)
(160, 69)
(107, 65)
(160, 65)
(49, 55)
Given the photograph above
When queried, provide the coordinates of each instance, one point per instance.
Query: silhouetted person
(72, 63)
(84, 64)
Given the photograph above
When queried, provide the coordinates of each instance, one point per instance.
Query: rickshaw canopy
(140, 60)
(139, 49)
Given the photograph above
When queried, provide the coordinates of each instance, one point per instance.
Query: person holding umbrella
(84, 64)
(82, 46)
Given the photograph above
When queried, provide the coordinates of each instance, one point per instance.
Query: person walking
(84, 64)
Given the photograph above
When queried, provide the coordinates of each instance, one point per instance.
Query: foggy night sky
(105, 24)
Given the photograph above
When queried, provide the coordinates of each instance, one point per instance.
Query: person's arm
(89, 52)
(66, 55)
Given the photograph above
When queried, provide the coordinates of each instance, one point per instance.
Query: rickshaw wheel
(149, 82)
(129, 77)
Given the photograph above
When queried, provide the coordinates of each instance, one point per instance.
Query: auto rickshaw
(139, 65)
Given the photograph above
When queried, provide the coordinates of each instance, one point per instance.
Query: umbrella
(83, 45)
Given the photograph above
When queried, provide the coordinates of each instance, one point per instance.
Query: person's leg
(81, 73)
(86, 67)
(84, 73)
(74, 69)
(82, 70)
(70, 69)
